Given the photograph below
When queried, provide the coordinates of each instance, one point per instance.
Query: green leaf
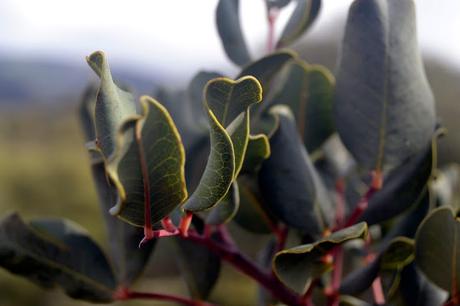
(303, 16)
(113, 105)
(307, 90)
(276, 3)
(437, 249)
(266, 68)
(446, 186)
(398, 254)
(347, 300)
(148, 165)
(199, 265)
(361, 279)
(195, 93)
(384, 107)
(227, 208)
(230, 33)
(416, 290)
(56, 253)
(129, 260)
(252, 214)
(218, 174)
(404, 186)
(296, 267)
(228, 105)
(290, 185)
(257, 151)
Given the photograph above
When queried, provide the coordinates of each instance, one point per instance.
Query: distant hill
(44, 82)
(39, 83)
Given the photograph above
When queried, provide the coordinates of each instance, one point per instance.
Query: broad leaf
(218, 174)
(276, 3)
(266, 68)
(198, 264)
(296, 267)
(257, 151)
(129, 260)
(231, 35)
(113, 105)
(228, 105)
(446, 186)
(303, 16)
(252, 214)
(289, 182)
(347, 300)
(148, 167)
(361, 279)
(416, 290)
(308, 90)
(56, 253)
(264, 258)
(227, 208)
(404, 186)
(384, 107)
(195, 94)
(437, 249)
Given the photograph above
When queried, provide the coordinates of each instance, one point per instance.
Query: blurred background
(44, 169)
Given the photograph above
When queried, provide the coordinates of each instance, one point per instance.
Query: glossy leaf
(199, 266)
(307, 90)
(296, 267)
(228, 105)
(303, 16)
(289, 182)
(56, 252)
(148, 145)
(113, 105)
(437, 249)
(129, 260)
(384, 107)
(227, 208)
(231, 35)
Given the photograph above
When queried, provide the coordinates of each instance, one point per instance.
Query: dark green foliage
(54, 252)
(338, 181)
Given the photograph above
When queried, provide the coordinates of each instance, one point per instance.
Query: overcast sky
(177, 36)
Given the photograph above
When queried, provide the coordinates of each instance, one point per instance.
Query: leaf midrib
(63, 268)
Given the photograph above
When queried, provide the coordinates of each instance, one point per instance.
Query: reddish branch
(248, 267)
(272, 15)
(125, 294)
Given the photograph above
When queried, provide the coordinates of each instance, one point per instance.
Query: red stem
(376, 185)
(272, 15)
(377, 291)
(248, 267)
(281, 236)
(125, 294)
(450, 302)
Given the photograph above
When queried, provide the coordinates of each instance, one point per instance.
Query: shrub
(341, 175)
